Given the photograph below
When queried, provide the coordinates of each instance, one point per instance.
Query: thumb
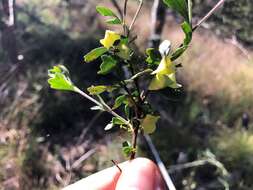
(140, 174)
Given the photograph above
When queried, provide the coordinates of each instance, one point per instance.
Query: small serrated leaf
(59, 78)
(117, 121)
(107, 65)
(119, 101)
(94, 54)
(127, 149)
(153, 56)
(96, 90)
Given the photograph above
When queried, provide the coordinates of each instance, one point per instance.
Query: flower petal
(109, 39)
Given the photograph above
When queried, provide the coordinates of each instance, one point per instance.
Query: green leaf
(179, 6)
(114, 21)
(119, 101)
(104, 11)
(127, 111)
(107, 65)
(94, 54)
(117, 121)
(96, 90)
(59, 78)
(148, 124)
(127, 148)
(186, 27)
(154, 57)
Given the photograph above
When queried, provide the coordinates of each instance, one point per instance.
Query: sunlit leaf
(179, 6)
(188, 32)
(59, 78)
(107, 65)
(109, 126)
(94, 108)
(117, 121)
(96, 90)
(104, 11)
(94, 54)
(148, 124)
(186, 27)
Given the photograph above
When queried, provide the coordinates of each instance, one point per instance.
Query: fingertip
(139, 174)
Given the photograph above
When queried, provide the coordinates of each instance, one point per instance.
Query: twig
(124, 17)
(138, 75)
(82, 158)
(88, 127)
(160, 164)
(208, 14)
(117, 165)
(136, 15)
(134, 140)
(234, 42)
(116, 5)
(102, 105)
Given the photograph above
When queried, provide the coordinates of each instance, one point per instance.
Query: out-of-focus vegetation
(234, 19)
(44, 133)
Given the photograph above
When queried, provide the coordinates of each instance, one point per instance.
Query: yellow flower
(165, 67)
(165, 75)
(149, 123)
(109, 39)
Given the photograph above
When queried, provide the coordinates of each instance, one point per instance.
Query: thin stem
(116, 5)
(190, 11)
(136, 15)
(87, 96)
(124, 17)
(103, 105)
(130, 95)
(138, 75)
(208, 14)
(117, 165)
(135, 79)
(134, 141)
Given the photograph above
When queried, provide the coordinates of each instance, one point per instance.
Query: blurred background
(49, 139)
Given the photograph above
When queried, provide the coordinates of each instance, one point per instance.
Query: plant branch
(208, 14)
(135, 16)
(134, 140)
(138, 75)
(124, 17)
(102, 105)
(116, 5)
